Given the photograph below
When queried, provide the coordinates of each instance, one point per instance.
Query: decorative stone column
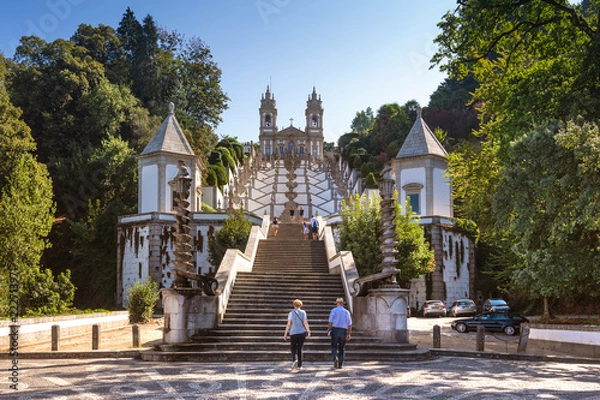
(382, 312)
(191, 304)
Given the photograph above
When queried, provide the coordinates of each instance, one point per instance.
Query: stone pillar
(382, 313)
(187, 310)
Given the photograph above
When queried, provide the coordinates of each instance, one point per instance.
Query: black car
(508, 323)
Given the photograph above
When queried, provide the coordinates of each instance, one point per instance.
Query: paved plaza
(441, 378)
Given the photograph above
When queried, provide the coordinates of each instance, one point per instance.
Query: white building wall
(135, 258)
(412, 175)
(455, 268)
(418, 293)
(149, 190)
(442, 199)
(171, 172)
(455, 272)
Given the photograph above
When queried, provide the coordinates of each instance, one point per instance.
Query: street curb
(137, 354)
(515, 357)
(73, 354)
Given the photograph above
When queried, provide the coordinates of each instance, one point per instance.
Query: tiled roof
(169, 137)
(421, 141)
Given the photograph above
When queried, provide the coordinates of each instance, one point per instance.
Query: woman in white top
(298, 328)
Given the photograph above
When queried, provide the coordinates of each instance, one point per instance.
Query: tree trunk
(546, 314)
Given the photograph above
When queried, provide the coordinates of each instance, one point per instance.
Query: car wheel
(510, 330)
(460, 327)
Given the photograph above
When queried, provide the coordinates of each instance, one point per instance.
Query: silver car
(462, 307)
(435, 308)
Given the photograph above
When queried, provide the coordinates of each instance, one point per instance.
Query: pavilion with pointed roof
(420, 174)
(157, 165)
(419, 169)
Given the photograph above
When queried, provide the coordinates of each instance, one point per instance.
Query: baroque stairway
(286, 267)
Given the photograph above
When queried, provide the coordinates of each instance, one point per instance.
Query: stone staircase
(286, 267)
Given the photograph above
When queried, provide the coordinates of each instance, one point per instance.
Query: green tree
(103, 45)
(534, 60)
(552, 214)
(360, 232)
(26, 215)
(94, 236)
(48, 82)
(361, 223)
(233, 235)
(363, 121)
(415, 255)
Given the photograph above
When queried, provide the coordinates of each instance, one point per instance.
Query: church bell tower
(314, 123)
(268, 122)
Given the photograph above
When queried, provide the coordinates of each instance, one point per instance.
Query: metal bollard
(55, 337)
(480, 338)
(135, 329)
(437, 337)
(95, 337)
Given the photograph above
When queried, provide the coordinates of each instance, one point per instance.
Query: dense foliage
(531, 184)
(233, 235)
(92, 102)
(359, 233)
(374, 140)
(26, 216)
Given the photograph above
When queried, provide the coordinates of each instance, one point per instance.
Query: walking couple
(339, 328)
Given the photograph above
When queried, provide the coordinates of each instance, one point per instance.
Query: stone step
(243, 287)
(399, 354)
(287, 279)
(318, 336)
(313, 319)
(266, 299)
(322, 346)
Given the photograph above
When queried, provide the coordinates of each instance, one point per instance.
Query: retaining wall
(578, 340)
(39, 330)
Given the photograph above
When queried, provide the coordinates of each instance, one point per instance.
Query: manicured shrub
(142, 298)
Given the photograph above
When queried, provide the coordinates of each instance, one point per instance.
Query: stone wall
(145, 248)
(454, 275)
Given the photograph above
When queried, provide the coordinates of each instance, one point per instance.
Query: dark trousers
(297, 341)
(338, 344)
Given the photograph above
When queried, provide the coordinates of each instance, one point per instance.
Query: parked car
(462, 307)
(433, 308)
(508, 323)
(495, 305)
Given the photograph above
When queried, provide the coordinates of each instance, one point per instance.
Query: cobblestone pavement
(442, 378)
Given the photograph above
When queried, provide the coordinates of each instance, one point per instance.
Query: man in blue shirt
(340, 328)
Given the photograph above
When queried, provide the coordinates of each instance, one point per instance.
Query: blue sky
(357, 54)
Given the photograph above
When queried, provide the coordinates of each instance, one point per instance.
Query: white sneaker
(294, 364)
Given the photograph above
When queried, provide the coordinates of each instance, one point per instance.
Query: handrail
(342, 263)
